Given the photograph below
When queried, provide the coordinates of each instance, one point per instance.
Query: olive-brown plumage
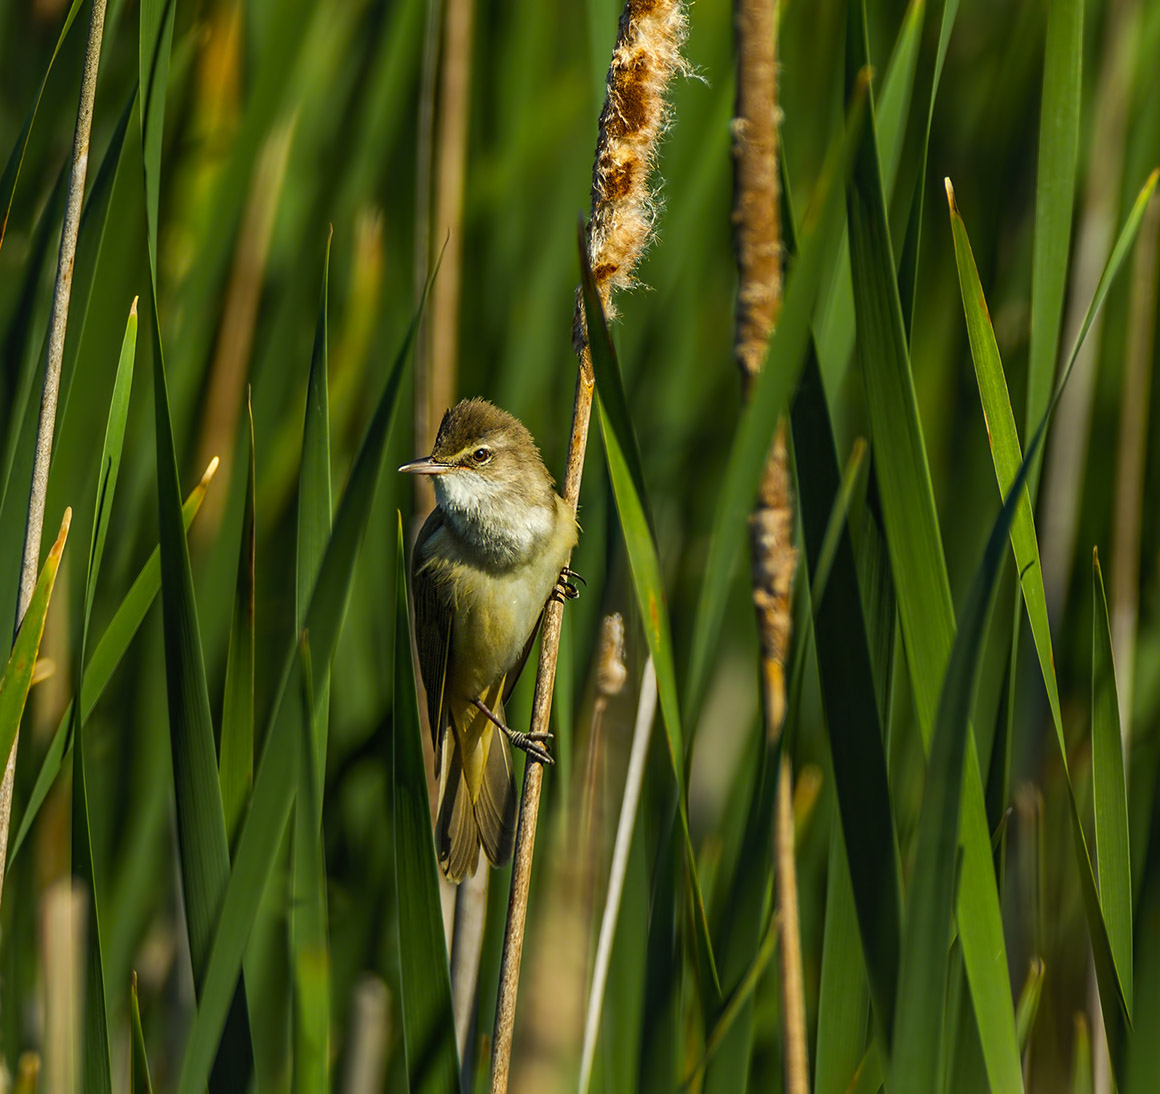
(485, 562)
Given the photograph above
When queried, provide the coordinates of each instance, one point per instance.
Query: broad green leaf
(1109, 791)
(204, 856)
(139, 1081)
(1059, 119)
(843, 998)
(97, 1074)
(236, 762)
(920, 576)
(106, 657)
(922, 976)
(1114, 983)
(16, 156)
(424, 976)
(309, 941)
(17, 678)
(846, 667)
(624, 469)
(274, 782)
(768, 398)
(897, 88)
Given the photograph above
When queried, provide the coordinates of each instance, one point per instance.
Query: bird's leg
(565, 588)
(531, 743)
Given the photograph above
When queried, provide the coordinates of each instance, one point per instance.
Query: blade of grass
(1109, 791)
(846, 667)
(908, 266)
(16, 156)
(139, 1081)
(96, 1056)
(1054, 201)
(309, 942)
(236, 761)
(308, 911)
(154, 44)
(920, 575)
(424, 974)
(201, 829)
(1028, 1006)
(1114, 988)
(17, 676)
(843, 998)
(275, 779)
(106, 657)
(922, 977)
(315, 509)
(624, 469)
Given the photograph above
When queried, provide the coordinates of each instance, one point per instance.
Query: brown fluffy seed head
(611, 672)
(646, 57)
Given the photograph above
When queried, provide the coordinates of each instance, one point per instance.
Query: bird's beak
(428, 465)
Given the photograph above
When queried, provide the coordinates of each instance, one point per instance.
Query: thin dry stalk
(454, 112)
(757, 242)
(466, 949)
(645, 58)
(634, 781)
(58, 323)
(366, 1066)
(230, 368)
(424, 160)
(63, 918)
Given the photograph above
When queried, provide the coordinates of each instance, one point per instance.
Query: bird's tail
(477, 798)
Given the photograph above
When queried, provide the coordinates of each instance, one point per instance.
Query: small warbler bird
(489, 556)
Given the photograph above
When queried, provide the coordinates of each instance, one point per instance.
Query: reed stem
(58, 323)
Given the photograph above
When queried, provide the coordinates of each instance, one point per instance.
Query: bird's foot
(565, 588)
(534, 744)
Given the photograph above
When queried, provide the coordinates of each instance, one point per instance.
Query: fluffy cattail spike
(636, 112)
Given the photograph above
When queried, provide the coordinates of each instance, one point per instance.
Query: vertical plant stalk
(646, 56)
(634, 781)
(757, 243)
(58, 323)
(1131, 461)
(451, 169)
(466, 951)
(1067, 444)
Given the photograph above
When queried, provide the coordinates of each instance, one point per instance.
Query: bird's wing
(433, 618)
(509, 684)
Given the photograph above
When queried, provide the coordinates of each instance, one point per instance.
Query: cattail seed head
(611, 673)
(636, 111)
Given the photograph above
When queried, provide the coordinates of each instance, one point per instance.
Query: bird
(489, 556)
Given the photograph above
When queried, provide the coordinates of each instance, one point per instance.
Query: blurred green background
(287, 116)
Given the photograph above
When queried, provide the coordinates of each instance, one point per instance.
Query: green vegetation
(221, 748)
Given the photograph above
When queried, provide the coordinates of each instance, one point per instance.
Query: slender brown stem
(757, 240)
(646, 56)
(58, 324)
(513, 939)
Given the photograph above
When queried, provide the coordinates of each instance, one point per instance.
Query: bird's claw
(532, 744)
(565, 588)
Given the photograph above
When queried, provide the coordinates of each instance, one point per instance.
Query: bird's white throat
(493, 517)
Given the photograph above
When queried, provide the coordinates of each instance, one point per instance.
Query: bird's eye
(481, 455)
